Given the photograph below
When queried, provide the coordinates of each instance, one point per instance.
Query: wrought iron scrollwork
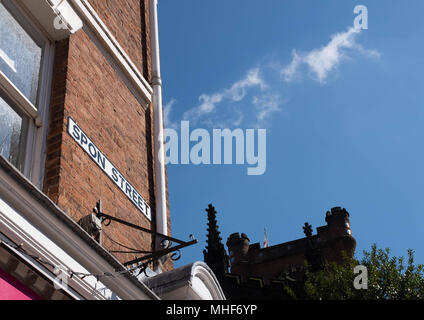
(166, 241)
(176, 255)
(106, 222)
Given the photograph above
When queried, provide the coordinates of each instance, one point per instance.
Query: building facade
(83, 185)
(250, 271)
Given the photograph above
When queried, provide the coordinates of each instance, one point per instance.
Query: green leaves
(388, 278)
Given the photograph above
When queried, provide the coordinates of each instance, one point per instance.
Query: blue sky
(344, 114)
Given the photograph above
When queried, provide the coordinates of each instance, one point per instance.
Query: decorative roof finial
(215, 255)
(307, 229)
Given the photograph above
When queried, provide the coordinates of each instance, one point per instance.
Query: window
(24, 89)
(20, 56)
(13, 129)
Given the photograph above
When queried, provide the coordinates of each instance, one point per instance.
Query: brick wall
(268, 263)
(128, 21)
(87, 88)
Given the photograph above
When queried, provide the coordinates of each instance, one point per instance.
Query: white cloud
(207, 105)
(259, 102)
(325, 59)
(235, 93)
(265, 105)
(253, 79)
(237, 121)
(167, 114)
(290, 72)
(252, 99)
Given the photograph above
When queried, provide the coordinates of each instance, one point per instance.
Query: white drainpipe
(159, 156)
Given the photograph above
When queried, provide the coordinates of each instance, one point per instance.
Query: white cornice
(195, 281)
(28, 216)
(56, 17)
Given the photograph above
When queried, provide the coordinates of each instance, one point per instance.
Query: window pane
(20, 56)
(12, 134)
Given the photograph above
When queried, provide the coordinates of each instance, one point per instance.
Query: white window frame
(35, 145)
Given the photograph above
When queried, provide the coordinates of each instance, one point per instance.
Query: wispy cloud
(255, 98)
(266, 105)
(234, 93)
(327, 58)
(167, 109)
(248, 101)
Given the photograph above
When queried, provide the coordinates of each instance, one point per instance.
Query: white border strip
(24, 217)
(22, 232)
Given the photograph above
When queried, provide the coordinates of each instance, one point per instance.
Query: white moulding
(57, 17)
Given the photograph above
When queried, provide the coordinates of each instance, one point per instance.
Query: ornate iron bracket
(166, 241)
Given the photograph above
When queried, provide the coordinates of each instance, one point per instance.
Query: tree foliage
(388, 278)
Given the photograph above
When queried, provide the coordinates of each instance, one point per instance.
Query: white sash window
(25, 75)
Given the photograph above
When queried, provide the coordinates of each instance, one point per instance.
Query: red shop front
(12, 289)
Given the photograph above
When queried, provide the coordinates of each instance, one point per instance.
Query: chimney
(238, 247)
